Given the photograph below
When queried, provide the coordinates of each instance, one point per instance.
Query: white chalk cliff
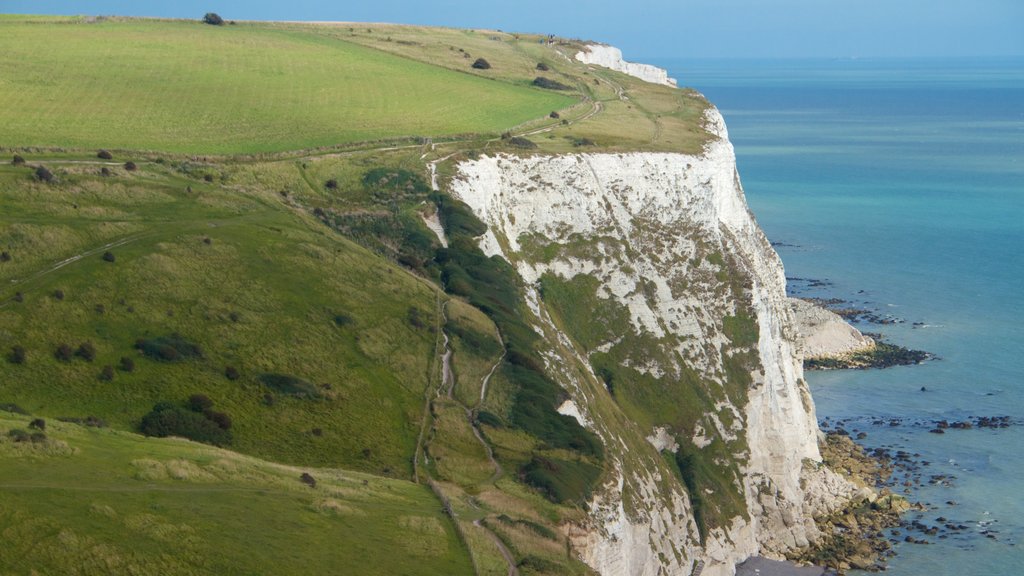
(611, 57)
(670, 241)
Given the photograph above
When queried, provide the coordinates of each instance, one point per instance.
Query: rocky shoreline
(854, 537)
(882, 355)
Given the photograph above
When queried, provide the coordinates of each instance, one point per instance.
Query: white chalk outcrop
(824, 334)
(646, 219)
(611, 57)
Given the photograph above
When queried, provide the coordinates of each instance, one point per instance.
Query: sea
(897, 186)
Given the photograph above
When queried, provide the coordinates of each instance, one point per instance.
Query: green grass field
(190, 87)
(96, 501)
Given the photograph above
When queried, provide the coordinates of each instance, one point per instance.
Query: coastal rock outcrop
(666, 313)
(824, 334)
(611, 57)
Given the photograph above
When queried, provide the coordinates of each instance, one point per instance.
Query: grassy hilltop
(218, 232)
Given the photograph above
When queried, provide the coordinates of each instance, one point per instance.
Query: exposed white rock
(569, 408)
(647, 218)
(662, 440)
(824, 334)
(611, 57)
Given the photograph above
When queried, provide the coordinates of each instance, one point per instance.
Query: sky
(653, 28)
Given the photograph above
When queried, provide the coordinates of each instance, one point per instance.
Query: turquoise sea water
(901, 183)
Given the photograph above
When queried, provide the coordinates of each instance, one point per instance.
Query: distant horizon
(663, 29)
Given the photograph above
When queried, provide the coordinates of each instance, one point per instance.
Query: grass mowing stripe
(185, 87)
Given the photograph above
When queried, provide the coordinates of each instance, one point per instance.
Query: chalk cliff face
(695, 352)
(611, 57)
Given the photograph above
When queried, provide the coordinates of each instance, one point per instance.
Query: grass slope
(92, 501)
(256, 284)
(190, 87)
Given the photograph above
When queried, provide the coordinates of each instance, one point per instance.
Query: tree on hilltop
(213, 19)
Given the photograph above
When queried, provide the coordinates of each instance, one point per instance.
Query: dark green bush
(18, 160)
(108, 256)
(107, 373)
(17, 355)
(485, 417)
(543, 67)
(561, 480)
(169, 348)
(169, 420)
(44, 175)
(64, 353)
(86, 351)
(481, 64)
(542, 82)
(130, 166)
(127, 364)
(13, 408)
(104, 155)
(231, 373)
(91, 421)
(37, 424)
(18, 435)
(199, 402)
(520, 142)
(290, 385)
(213, 19)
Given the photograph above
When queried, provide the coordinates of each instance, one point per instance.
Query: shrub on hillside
(520, 142)
(104, 171)
(543, 67)
(169, 420)
(127, 364)
(17, 160)
(107, 373)
(213, 19)
(308, 480)
(130, 166)
(554, 115)
(58, 294)
(13, 408)
(37, 424)
(291, 385)
(481, 64)
(108, 256)
(5, 256)
(104, 155)
(64, 353)
(231, 373)
(17, 355)
(542, 82)
(91, 421)
(86, 351)
(18, 435)
(331, 184)
(44, 175)
(169, 348)
(199, 402)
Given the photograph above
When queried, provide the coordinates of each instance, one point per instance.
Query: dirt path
(512, 570)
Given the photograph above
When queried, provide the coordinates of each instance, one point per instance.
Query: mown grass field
(195, 88)
(97, 501)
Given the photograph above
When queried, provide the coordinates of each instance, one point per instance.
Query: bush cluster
(481, 64)
(548, 83)
(169, 348)
(196, 421)
(290, 385)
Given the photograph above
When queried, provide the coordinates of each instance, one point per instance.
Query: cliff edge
(668, 311)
